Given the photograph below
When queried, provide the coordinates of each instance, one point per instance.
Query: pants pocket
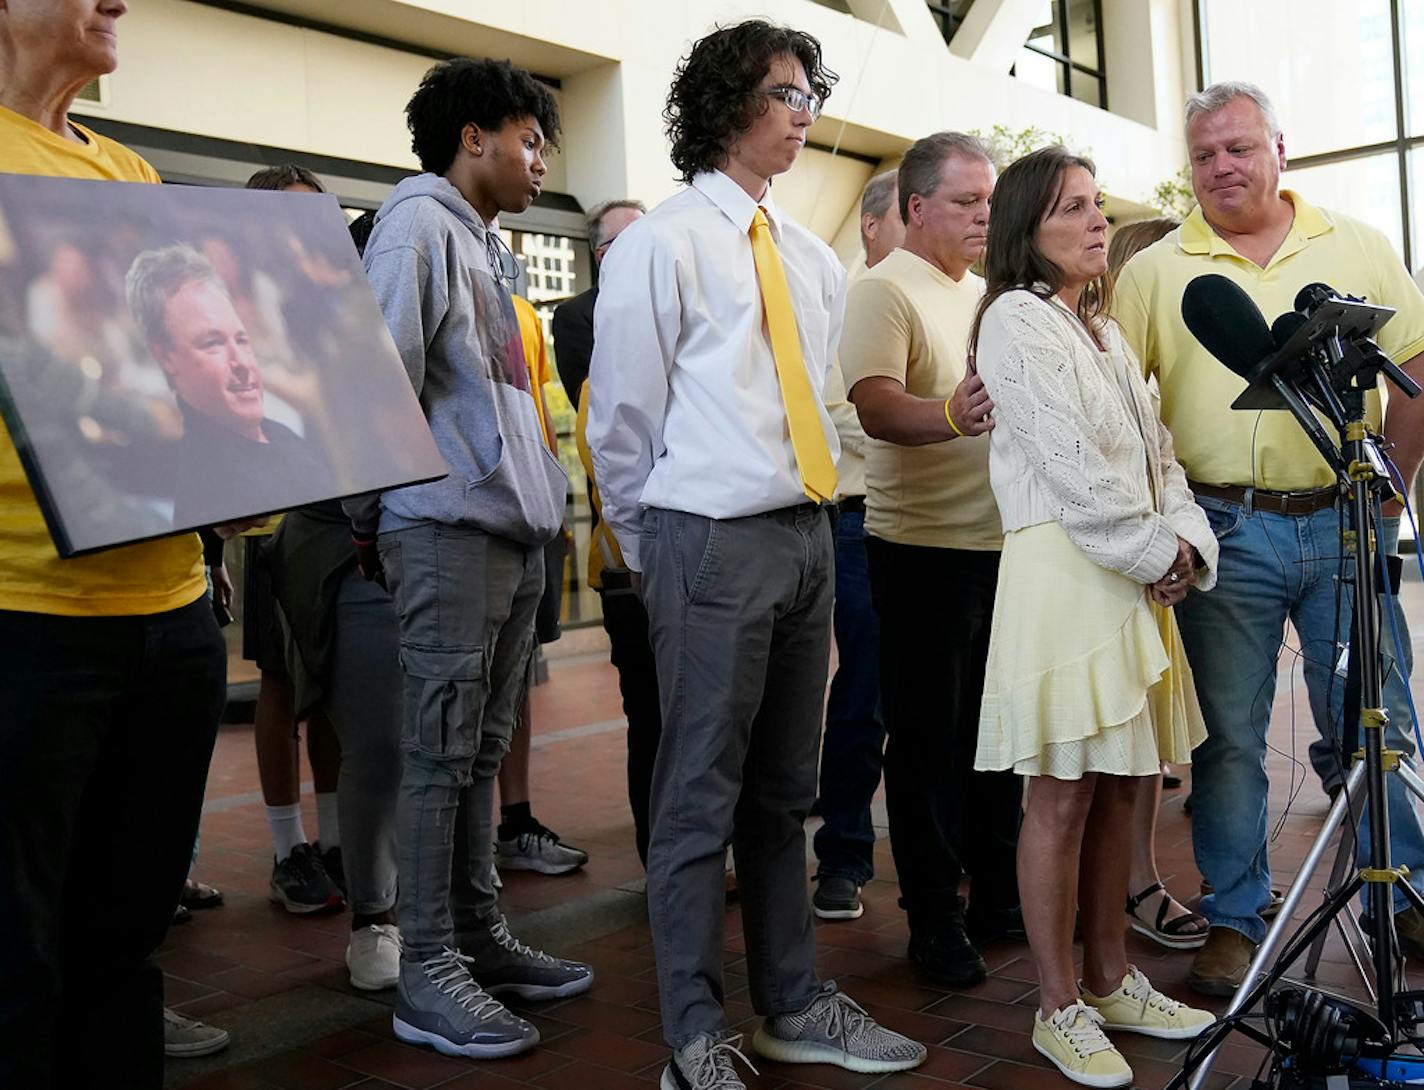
(445, 697)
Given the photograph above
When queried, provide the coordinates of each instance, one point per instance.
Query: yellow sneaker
(1140, 1008)
(1073, 1039)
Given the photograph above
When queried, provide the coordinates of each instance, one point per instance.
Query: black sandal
(1173, 934)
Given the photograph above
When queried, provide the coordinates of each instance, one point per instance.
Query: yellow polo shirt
(909, 321)
(151, 577)
(1264, 449)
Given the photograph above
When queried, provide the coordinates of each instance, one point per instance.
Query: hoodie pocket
(522, 498)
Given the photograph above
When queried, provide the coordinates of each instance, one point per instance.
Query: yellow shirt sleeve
(875, 341)
(1403, 335)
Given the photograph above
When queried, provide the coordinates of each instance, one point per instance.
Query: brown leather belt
(1275, 503)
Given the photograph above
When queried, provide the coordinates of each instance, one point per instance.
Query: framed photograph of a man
(174, 357)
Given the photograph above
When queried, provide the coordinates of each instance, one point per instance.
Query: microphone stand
(1361, 471)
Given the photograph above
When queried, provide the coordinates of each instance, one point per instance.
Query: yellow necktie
(808, 440)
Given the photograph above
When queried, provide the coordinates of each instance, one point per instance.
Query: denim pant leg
(1232, 637)
(1314, 619)
(740, 618)
(852, 750)
(364, 703)
(466, 603)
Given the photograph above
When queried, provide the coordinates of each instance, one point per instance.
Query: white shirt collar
(734, 202)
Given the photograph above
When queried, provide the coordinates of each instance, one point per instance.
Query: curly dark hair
(284, 175)
(488, 93)
(712, 102)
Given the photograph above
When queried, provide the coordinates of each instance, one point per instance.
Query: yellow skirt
(1085, 672)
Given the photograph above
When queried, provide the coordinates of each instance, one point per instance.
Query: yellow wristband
(949, 418)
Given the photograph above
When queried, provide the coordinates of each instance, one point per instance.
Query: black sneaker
(945, 956)
(994, 925)
(837, 898)
(331, 863)
(300, 883)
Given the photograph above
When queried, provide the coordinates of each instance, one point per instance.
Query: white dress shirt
(685, 409)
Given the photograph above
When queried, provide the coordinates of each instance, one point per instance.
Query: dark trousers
(626, 622)
(853, 745)
(105, 738)
(740, 613)
(946, 819)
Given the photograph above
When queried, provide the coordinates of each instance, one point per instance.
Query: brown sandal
(1174, 934)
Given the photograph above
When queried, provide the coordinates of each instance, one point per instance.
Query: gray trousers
(363, 701)
(466, 603)
(740, 621)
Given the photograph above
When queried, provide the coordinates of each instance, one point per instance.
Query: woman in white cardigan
(1087, 689)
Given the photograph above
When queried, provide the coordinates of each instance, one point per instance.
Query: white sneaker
(373, 957)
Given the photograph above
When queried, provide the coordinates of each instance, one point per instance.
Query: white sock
(328, 828)
(286, 825)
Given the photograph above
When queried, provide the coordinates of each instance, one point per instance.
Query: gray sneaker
(835, 1029)
(185, 1037)
(538, 849)
(503, 964)
(705, 1063)
(439, 1004)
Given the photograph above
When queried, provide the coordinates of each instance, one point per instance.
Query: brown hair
(1023, 198)
(1132, 238)
(280, 177)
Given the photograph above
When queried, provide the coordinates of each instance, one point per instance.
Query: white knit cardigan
(1078, 441)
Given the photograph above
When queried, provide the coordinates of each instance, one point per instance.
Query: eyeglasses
(796, 100)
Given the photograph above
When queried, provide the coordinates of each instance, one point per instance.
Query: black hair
(713, 99)
(280, 177)
(361, 228)
(486, 93)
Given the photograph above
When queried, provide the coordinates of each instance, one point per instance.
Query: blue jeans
(852, 750)
(1274, 568)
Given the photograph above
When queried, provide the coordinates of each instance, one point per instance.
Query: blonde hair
(1131, 238)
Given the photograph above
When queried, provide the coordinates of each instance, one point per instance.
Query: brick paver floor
(279, 983)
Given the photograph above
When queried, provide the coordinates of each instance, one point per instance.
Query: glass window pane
(1086, 88)
(1083, 37)
(1367, 189)
(1415, 164)
(1039, 70)
(1044, 34)
(1329, 70)
(1411, 18)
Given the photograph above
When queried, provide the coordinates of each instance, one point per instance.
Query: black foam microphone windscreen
(1284, 327)
(1228, 324)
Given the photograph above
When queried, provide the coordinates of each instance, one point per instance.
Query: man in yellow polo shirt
(1269, 496)
(113, 671)
(933, 540)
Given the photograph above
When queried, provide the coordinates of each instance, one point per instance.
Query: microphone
(1286, 326)
(1312, 295)
(1227, 323)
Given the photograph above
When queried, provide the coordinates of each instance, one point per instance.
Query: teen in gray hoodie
(463, 556)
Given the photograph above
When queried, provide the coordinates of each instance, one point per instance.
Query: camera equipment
(1320, 361)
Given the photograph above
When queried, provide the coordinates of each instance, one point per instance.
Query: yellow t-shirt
(536, 358)
(1217, 444)
(151, 577)
(908, 320)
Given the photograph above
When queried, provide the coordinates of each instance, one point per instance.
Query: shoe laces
(1082, 1027)
(1141, 991)
(845, 1018)
(449, 972)
(714, 1070)
(499, 931)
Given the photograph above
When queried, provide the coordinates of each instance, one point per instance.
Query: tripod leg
(1411, 780)
(1344, 856)
(1266, 952)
